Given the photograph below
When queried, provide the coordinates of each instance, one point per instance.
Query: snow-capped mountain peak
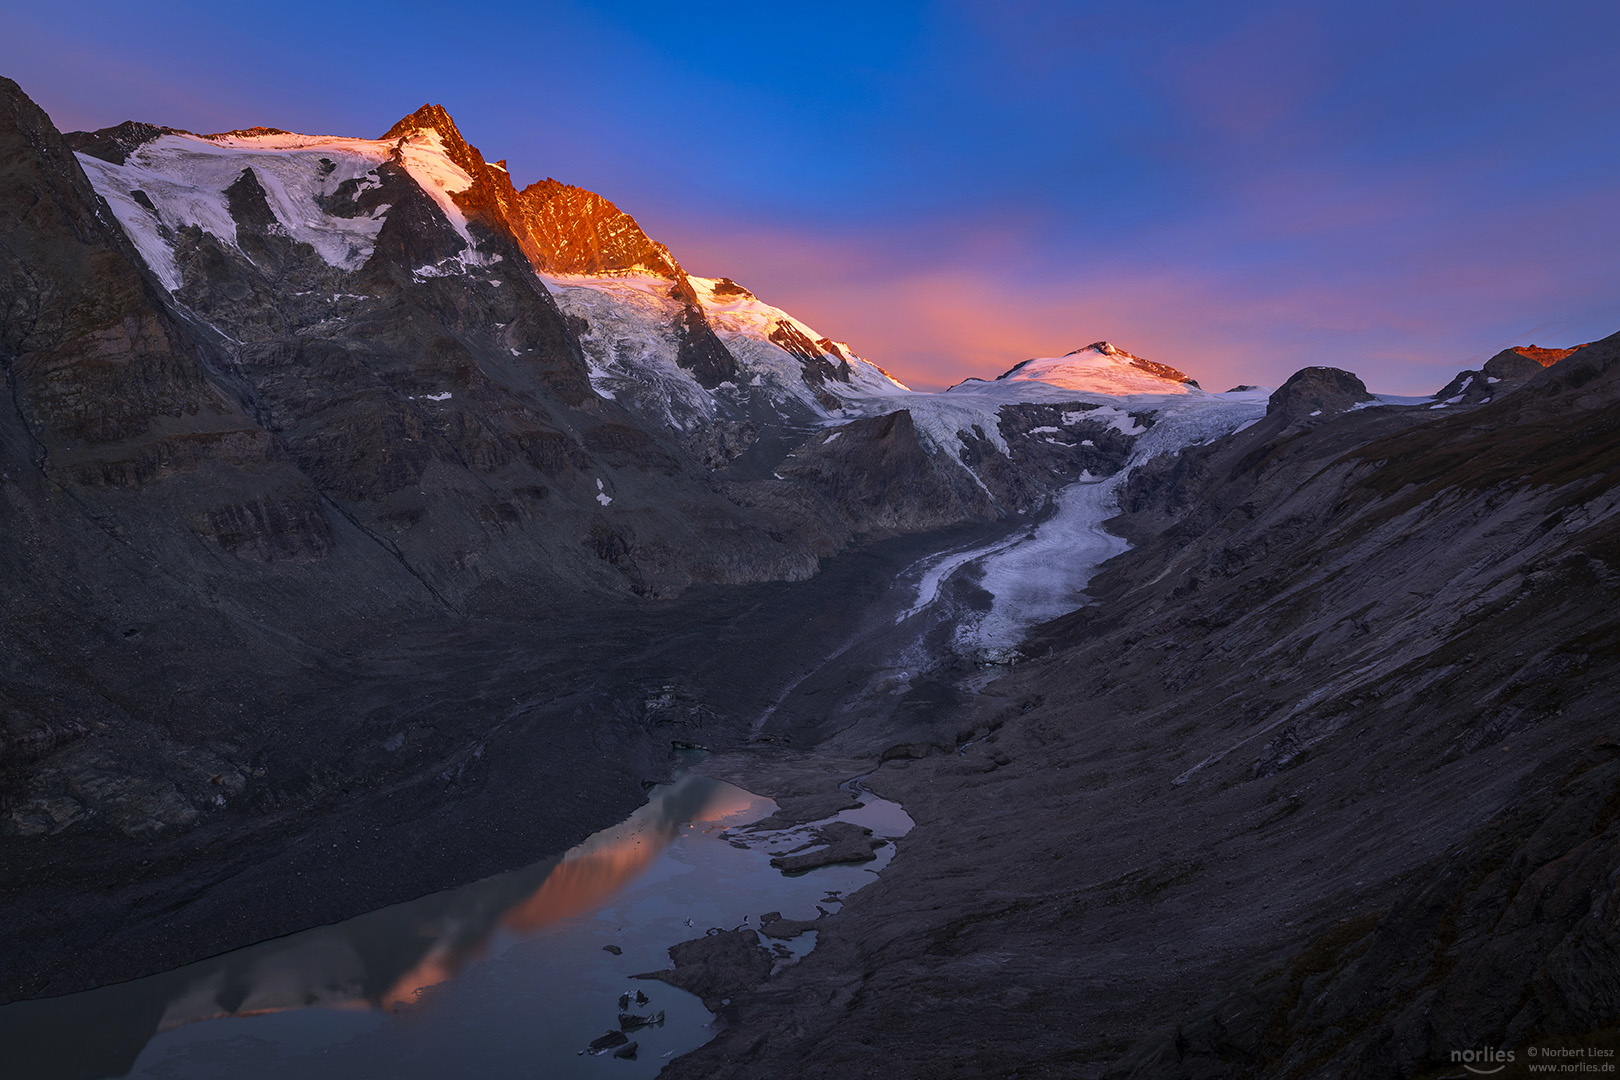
(1100, 368)
(705, 359)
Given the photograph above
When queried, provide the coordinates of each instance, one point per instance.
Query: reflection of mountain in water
(380, 960)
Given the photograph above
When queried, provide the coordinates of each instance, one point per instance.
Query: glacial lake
(507, 977)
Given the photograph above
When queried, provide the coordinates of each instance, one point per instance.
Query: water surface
(508, 976)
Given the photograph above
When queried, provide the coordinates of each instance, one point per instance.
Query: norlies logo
(1483, 1062)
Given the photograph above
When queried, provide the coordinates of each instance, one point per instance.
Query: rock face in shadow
(1510, 941)
(877, 477)
(1322, 783)
(1315, 393)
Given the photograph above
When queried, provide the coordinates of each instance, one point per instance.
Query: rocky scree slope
(1323, 783)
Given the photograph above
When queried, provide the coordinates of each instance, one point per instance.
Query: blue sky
(1239, 189)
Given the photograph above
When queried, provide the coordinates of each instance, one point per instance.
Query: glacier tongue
(1044, 573)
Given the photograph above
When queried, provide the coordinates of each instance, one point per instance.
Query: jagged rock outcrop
(115, 144)
(574, 231)
(1543, 356)
(1501, 373)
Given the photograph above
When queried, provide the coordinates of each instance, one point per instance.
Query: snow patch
(185, 177)
(425, 158)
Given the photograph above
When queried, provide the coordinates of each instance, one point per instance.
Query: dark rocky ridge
(1322, 784)
(114, 144)
(1501, 373)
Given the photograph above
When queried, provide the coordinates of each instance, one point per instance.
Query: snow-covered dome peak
(1102, 368)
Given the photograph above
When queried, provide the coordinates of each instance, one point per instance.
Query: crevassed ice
(1044, 573)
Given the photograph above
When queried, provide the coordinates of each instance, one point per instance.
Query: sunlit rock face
(1542, 356)
(574, 231)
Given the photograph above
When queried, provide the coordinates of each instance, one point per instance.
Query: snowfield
(185, 177)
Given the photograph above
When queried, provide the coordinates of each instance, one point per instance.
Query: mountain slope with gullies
(1321, 783)
(335, 504)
